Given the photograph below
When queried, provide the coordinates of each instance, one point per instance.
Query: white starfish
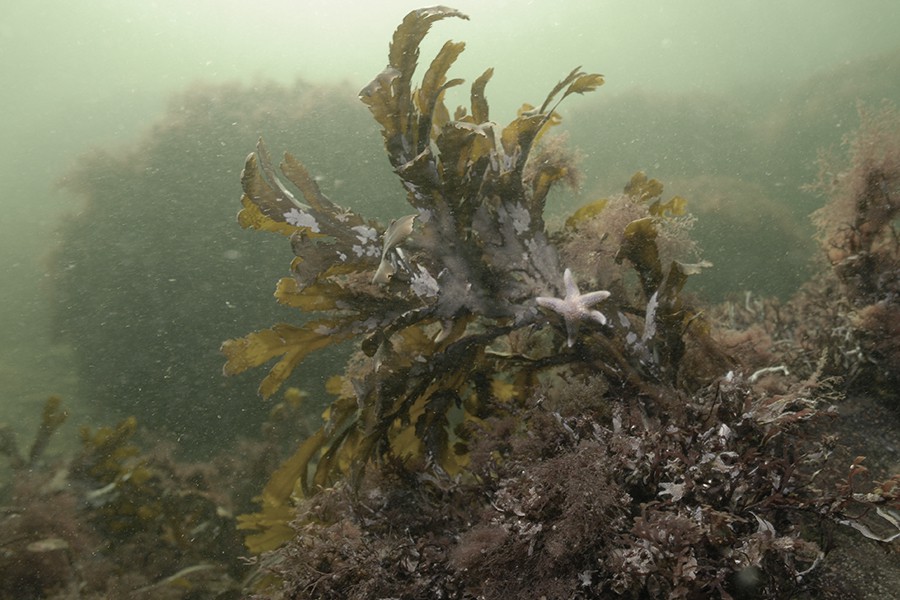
(575, 307)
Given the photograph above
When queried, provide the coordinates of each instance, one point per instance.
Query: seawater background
(98, 73)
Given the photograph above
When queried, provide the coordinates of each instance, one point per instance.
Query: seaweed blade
(389, 96)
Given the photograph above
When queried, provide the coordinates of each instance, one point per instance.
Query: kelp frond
(390, 96)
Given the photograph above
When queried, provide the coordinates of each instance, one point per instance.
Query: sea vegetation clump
(113, 520)
(858, 233)
(846, 320)
(527, 413)
(444, 299)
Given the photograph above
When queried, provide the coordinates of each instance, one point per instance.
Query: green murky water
(727, 104)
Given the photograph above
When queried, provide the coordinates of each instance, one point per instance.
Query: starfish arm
(572, 326)
(571, 287)
(598, 316)
(592, 298)
(555, 304)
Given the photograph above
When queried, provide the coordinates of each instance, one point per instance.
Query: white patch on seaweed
(298, 218)
(423, 284)
(324, 330)
(365, 250)
(521, 220)
(650, 318)
(365, 234)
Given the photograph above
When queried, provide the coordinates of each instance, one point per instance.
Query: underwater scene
(498, 300)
